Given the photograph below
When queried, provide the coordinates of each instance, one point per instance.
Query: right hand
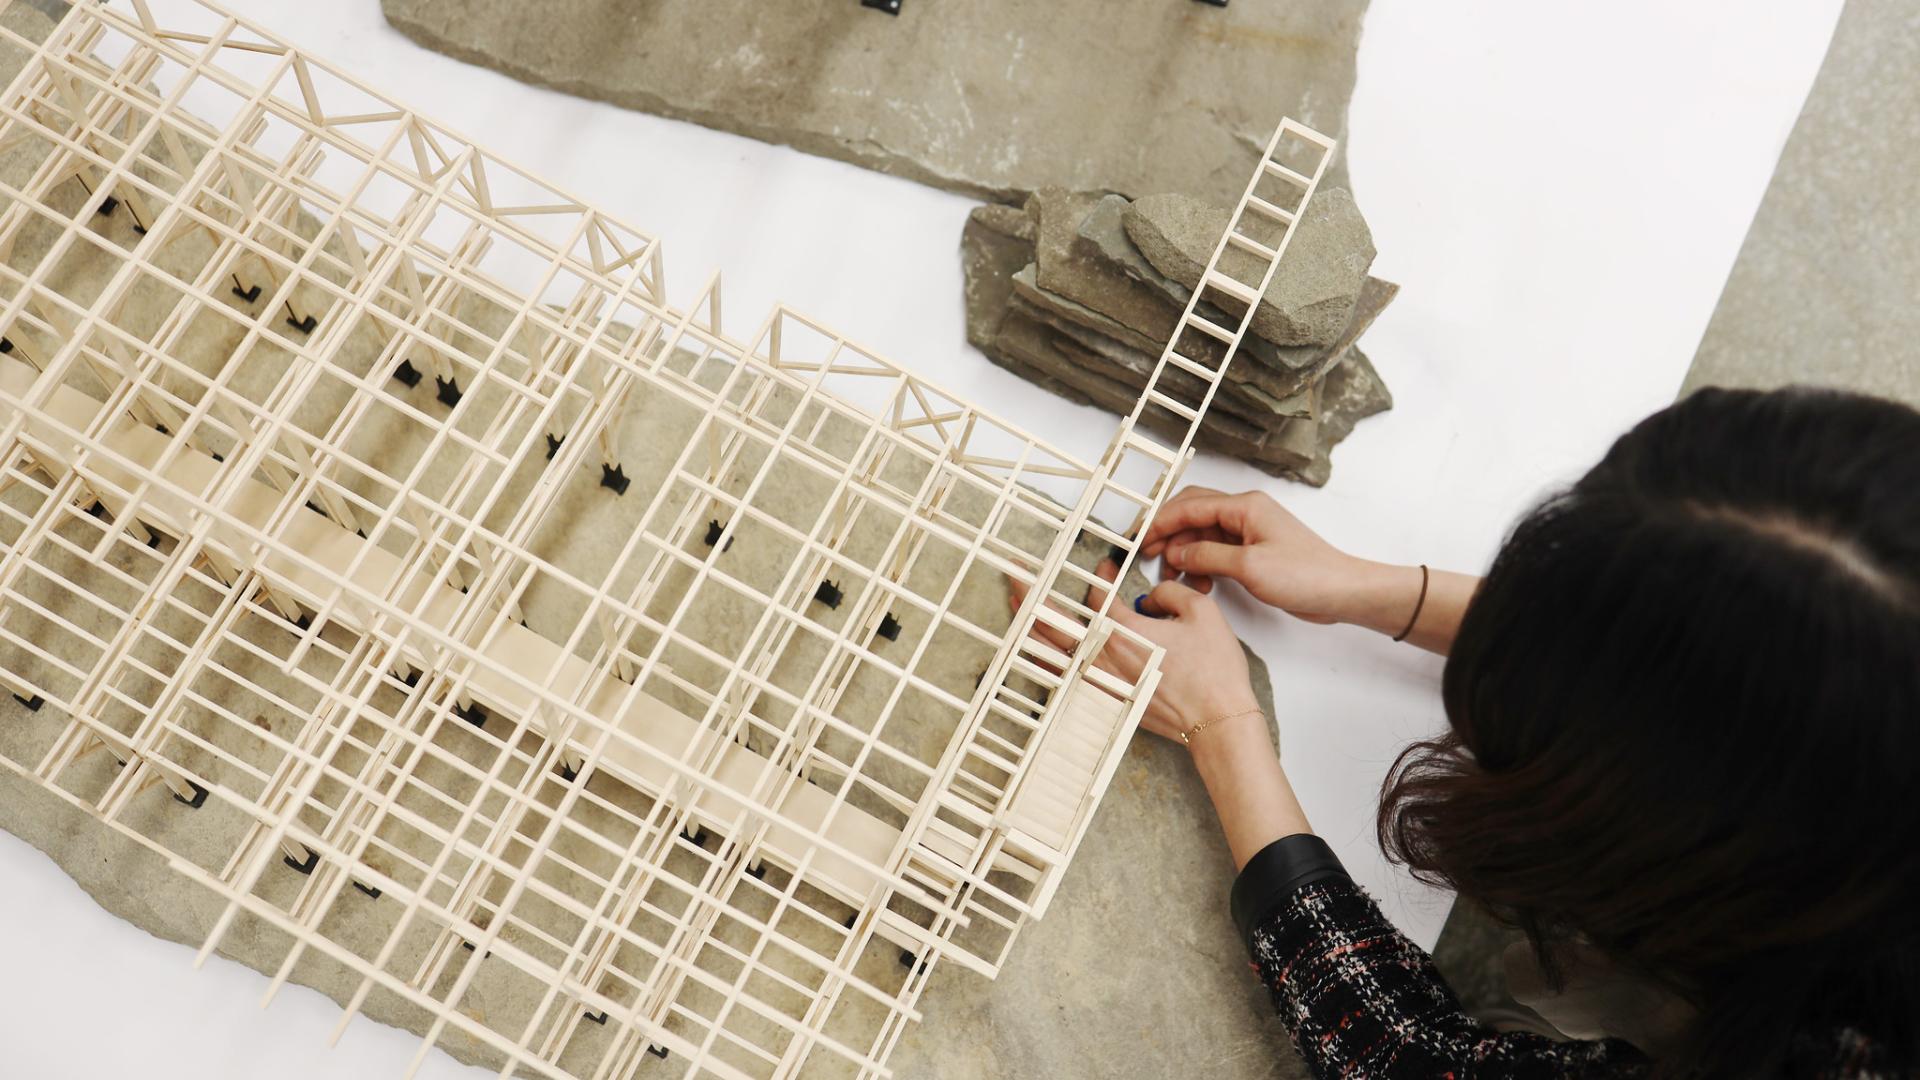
(1204, 534)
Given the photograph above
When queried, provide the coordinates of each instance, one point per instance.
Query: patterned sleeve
(1363, 1001)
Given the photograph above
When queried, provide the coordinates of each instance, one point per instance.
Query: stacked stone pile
(1079, 292)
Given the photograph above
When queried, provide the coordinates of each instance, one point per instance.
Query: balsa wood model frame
(220, 581)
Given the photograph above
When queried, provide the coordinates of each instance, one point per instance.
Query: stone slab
(1311, 297)
(1824, 287)
(993, 98)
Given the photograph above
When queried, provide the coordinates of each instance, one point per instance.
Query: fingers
(1170, 598)
(1231, 513)
(1209, 559)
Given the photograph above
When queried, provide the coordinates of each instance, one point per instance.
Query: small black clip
(313, 860)
(249, 295)
(890, 627)
(98, 509)
(1215, 3)
(110, 205)
(304, 622)
(33, 703)
(446, 391)
(305, 325)
(612, 477)
(657, 1051)
(714, 529)
(199, 797)
(758, 871)
(553, 445)
(412, 679)
(473, 714)
(829, 594)
(407, 374)
(891, 7)
(598, 1018)
(372, 893)
(698, 838)
(567, 773)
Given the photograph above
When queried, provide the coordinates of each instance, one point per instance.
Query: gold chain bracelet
(1187, 735)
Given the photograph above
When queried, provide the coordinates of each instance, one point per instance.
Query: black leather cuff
(1281, 869)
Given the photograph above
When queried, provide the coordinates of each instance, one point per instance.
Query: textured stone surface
(1311, 297)
(1089, 315)
(1825, 285)
(994, 98)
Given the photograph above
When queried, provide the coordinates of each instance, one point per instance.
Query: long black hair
(1684, 715)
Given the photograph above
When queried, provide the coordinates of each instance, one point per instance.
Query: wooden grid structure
(285, 579)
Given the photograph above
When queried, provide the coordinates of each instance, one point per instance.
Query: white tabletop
(1561, 196)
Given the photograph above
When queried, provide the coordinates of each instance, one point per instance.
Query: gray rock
(992, 248)
(1312, 295)
(992, 98)
(1084, 276)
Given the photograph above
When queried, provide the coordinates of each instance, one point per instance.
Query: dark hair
(1684, 713)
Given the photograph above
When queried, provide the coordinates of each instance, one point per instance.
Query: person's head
(1684, 714)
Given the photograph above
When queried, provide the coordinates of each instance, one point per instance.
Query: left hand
(1203, 675)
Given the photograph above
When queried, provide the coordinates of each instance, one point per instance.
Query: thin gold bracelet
(1187, 735)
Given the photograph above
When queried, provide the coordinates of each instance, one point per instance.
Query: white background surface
(1561, 195)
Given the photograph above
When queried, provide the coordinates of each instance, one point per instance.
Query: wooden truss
(279, 488)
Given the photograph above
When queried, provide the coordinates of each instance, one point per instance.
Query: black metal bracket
(407, 374)
(33, 703)
(249, 295)
(598, 1018)
(372, 893)
(758, 871)
(110, 205)
(889, 627)
(553, 445)
(891, 7)
(698, 837)
(313, 860)
(612, 477)
(199, 797)
(568, 774)
(657, 1051)
(305, 325)
(829, 594)
(473, 714)
(446, 391)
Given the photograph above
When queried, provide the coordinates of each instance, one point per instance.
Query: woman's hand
(1203, 675)
(1201, 534)
(1204, 534)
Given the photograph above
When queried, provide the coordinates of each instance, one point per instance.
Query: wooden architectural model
(284, 575)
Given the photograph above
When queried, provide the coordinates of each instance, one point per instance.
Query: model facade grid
(303, 392)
